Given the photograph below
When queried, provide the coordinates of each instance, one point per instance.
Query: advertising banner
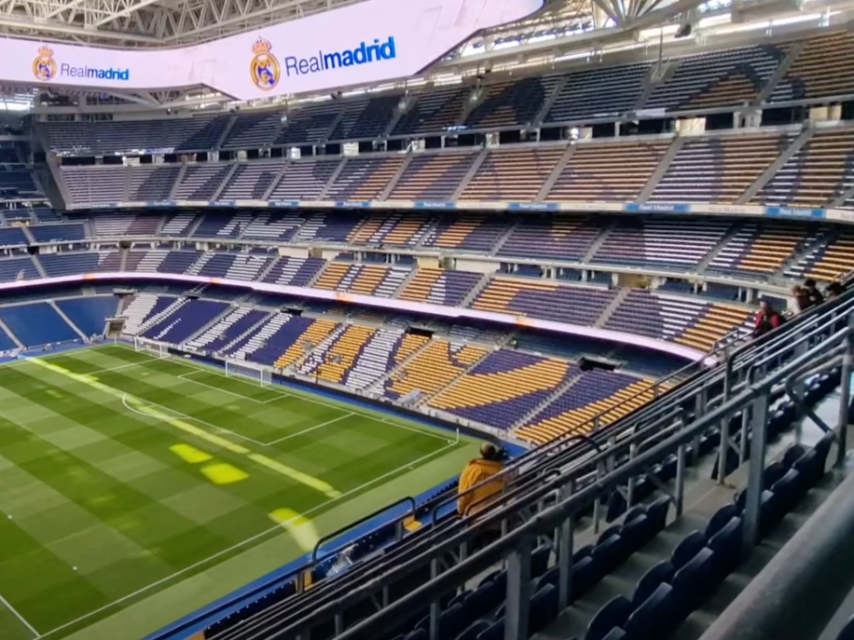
(373, 41)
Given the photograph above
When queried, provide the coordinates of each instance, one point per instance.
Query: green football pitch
(135, 490)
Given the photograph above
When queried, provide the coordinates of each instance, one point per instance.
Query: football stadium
(435, 320)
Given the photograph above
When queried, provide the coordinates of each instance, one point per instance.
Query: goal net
(247, 370)
(157, 349)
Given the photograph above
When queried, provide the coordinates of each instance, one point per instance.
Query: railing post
(752, 508)
(435, 610)
(518, 591)
(564, 554)
(845, 393)
(680, 479)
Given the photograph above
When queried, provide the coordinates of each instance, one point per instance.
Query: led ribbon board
(372, 41)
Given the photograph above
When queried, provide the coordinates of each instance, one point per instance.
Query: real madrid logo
(265, 68)
(44, 67)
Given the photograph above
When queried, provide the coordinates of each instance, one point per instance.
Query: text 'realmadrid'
(363, 54)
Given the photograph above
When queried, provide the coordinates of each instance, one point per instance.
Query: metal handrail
(556, 515)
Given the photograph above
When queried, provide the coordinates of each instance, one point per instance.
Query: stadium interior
(556, 238)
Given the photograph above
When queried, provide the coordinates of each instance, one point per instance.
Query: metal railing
(548, 488)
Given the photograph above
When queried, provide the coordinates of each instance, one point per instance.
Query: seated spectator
(834, 290)
(477, 471)
(801, 298)
(815, 296)
(767, 319)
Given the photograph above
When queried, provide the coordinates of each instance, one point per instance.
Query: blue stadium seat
(651, 619)
(540, 560)
(637, 532)
(694, 581)
(586, 574)
(656, 575)
(726, 544)
(542, 609)
(657, 512)
(494, 632)
(687, 548)
(847, 632)
(610, 553)
(613, 614)
(720, 519)
(474, 630)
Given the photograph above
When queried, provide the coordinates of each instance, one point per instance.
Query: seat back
(650, 620)
(687, 548)
(613, 614)
(656, 575)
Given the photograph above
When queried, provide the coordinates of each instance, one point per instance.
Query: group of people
(804, 297)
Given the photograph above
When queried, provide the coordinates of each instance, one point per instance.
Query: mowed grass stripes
(164, 482)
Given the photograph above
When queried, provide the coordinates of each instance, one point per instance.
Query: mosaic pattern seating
(694, 323)
(546, 300)
(185, 321)
(810, 76)
(590, 394)
(253, 130)
(304, 180)
(77, 262)
(614, 171)
(468, 233)
(434, 111)
(310, 124)
(150, 183)
(660, 242)
(228, 329)
(717, 79)
(511, 103)
(296, 272)
(313, 334)
(364, 179)
(761, 248)
(598, 92)
(432, 177)
(58, 232)
(557, 237)
(96, 185)
(503, 388)
(828, 260)
(433, 368)
(217, 225)
(123, 224)
(18, 269)
(252, 180)
(241, 266)
(330, 227)
(718, 169)
(815, 175)
(516, 175)
(393, 230)
(363, 279)
(201, 181)
(365, 118)
(332, 360)
(440, 286)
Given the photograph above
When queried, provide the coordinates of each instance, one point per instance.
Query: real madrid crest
(265, 69)
(44, 66)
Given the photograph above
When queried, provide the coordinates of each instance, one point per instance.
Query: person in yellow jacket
(477, 471)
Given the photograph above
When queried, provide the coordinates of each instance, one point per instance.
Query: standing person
(767, 319)
(802, 299)
(815, 296)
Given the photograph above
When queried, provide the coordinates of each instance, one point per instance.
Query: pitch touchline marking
(257, 536)
(22, 619)
(121, 366)
(317, 426)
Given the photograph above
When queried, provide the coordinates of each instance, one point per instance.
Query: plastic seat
(613, 614)
(608, 533)
(811, 467)
(772, 473)
(687, 548)
(586, 574)
(637, 532)
(474, 630)
(610, 553)
(657, 513)
(583, 552)
(651, 619)
(495, 631)
(720, 519)
(656, 575)
(726, 544)
(549, 577)
(634, 512)
(793, 454)
(694, 581)
(484, 599)
(790, 489)
(542, 609)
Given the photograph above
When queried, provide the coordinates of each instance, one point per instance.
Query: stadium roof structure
(169, 23)
(561, 30)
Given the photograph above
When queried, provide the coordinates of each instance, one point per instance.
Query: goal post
(157, 349)
(249, 371)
